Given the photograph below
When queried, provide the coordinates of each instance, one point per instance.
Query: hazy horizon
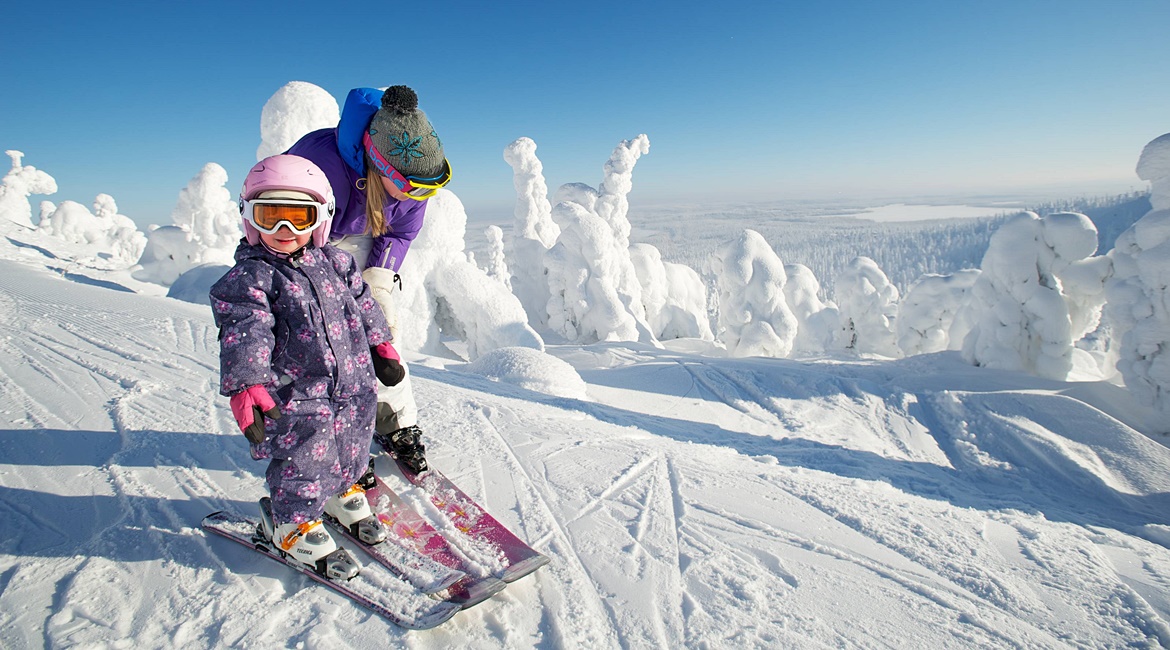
(777, 102)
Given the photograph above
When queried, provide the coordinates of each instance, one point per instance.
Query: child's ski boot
(308, 543)
(352, 511)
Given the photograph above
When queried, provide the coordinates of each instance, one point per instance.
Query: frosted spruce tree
(126, 241)
(868, 304)
(574, 268)
(1138, 293)
(1021, 308)
(754, 319)
(534, 231)
(18, 184)
(929, 314)
(497, 265)
(210, 212)
(295, 109)
(818, 323)
(448, 295)
(206, 230)
(594, 293)
(613, 206)
(582, 270)
(102, 231)
(673, 295)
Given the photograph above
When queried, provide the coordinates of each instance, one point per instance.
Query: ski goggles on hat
(268, 215)
(418, 188)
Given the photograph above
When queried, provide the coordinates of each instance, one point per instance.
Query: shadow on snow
(1022, 469)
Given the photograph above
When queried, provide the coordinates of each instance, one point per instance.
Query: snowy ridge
(690, 501)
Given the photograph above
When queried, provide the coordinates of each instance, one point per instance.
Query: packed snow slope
(685, 500)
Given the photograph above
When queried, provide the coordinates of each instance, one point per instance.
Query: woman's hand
(387, 364)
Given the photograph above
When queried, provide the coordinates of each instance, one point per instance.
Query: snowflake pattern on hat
(405, 147)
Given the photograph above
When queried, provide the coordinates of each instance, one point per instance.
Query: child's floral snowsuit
(302, 327)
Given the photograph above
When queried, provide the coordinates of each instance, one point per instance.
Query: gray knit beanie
(404, 136)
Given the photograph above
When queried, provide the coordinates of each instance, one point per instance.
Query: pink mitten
(249, 408)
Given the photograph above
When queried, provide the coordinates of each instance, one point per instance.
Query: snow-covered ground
(685, 500)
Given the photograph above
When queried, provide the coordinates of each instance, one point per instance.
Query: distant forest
(904, 250)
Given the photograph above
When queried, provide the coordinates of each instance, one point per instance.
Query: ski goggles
(268, 215)
(414, 187)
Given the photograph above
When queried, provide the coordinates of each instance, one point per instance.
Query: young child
(298, 328)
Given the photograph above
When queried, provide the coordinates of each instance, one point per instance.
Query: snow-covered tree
(582, 272)
(18, 184)
(1082, 274)
(1020, 314)
(206, 230)
(1138, 293)
(590, 283)
(444, 293)
(167, 255)
(497, 266)
(754, 319)
(210, 212)
(295, 109)
(594, 292)
(613, 206)
(126, 241)
(928, 315)
(868, 304)
(673, 295)
(534, 232)
(102, 231)
(580, 193)
(818, 323)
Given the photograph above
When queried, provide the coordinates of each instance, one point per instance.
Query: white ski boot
(308, 543)
(352, 511)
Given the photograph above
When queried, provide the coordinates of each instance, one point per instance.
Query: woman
(383, 160)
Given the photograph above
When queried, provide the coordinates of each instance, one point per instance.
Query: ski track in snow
(694, 503)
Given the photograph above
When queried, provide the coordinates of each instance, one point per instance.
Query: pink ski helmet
(289, 173)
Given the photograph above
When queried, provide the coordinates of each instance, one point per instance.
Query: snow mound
(532, 370)
(194, 286)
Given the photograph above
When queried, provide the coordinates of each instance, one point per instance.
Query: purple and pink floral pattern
(285, 324)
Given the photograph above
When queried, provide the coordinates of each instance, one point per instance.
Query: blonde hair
(375, 202)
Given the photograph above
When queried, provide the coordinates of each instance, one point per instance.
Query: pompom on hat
(404, 136)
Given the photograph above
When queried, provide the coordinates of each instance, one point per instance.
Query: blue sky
(748, 101)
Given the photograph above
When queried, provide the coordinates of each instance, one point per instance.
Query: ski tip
(212, 517)
(475, 591)
(443, 586)
(442, 612)
(524, 567)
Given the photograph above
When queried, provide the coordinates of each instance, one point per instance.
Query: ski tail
(474, 522)
(407, 528)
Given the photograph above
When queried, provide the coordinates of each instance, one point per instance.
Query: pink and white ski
(375, 588)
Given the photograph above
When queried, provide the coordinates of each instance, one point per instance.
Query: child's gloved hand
(387, 365)
(249, 407)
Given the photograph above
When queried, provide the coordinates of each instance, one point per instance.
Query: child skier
(299, 328)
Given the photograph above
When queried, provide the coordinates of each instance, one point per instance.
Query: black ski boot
(404, 444)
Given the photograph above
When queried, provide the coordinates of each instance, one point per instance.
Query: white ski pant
(396, 406)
